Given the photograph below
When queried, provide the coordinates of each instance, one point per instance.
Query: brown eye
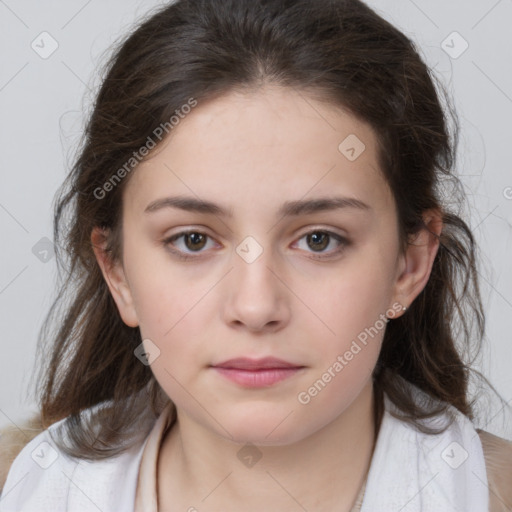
(194, 241)
(318, 240)
(188, 244)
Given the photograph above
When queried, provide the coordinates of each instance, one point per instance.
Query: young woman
(265, 288)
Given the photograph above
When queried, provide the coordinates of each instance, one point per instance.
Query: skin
(250, 153)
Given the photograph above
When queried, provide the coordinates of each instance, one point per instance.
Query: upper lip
(245, 363)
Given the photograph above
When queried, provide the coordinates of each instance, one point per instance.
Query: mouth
(257, 373)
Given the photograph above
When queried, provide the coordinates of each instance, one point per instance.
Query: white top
(146, 498)
(410, 471)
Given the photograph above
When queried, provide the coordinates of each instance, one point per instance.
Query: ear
(416, 264)
(115, 278)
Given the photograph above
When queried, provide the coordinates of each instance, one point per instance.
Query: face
(295, 259)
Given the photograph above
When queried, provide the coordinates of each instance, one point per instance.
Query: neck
(198, 468)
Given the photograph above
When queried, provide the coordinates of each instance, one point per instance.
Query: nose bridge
(256, 295)
(252, 266)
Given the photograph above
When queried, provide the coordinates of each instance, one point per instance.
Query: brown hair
(337, 50)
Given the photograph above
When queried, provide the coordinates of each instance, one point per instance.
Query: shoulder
(498, 462)
(40, 476)
(483, 462)
(13, 439)
(497, 454)
(31, 462)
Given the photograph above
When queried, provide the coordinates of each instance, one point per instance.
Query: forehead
(262, 147)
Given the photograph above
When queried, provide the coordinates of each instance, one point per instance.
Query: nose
(257, 299)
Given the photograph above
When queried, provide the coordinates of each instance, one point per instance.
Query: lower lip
(257, 378)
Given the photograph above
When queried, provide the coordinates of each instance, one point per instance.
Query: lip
(257, 373)
(246, 363)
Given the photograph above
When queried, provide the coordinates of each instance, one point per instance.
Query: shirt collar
(146, 495)
(146, 492)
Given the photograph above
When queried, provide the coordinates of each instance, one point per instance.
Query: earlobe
(417, 262)
(115, 278)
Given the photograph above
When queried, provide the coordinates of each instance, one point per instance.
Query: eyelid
(323, 229)
(167, 242)
(341, 239)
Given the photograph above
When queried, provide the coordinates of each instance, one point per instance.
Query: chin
(279, 428)
(258, 437)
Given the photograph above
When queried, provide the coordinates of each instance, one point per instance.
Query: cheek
(352, 307)
(346, 355)
(171, 315)
(331, 392)
(164, 294)
(175, 322)
(356, 297)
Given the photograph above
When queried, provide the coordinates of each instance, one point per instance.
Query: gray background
(42, 100)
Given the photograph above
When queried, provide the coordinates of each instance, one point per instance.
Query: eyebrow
(288, 209)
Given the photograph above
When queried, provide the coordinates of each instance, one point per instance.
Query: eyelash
(344, 243)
